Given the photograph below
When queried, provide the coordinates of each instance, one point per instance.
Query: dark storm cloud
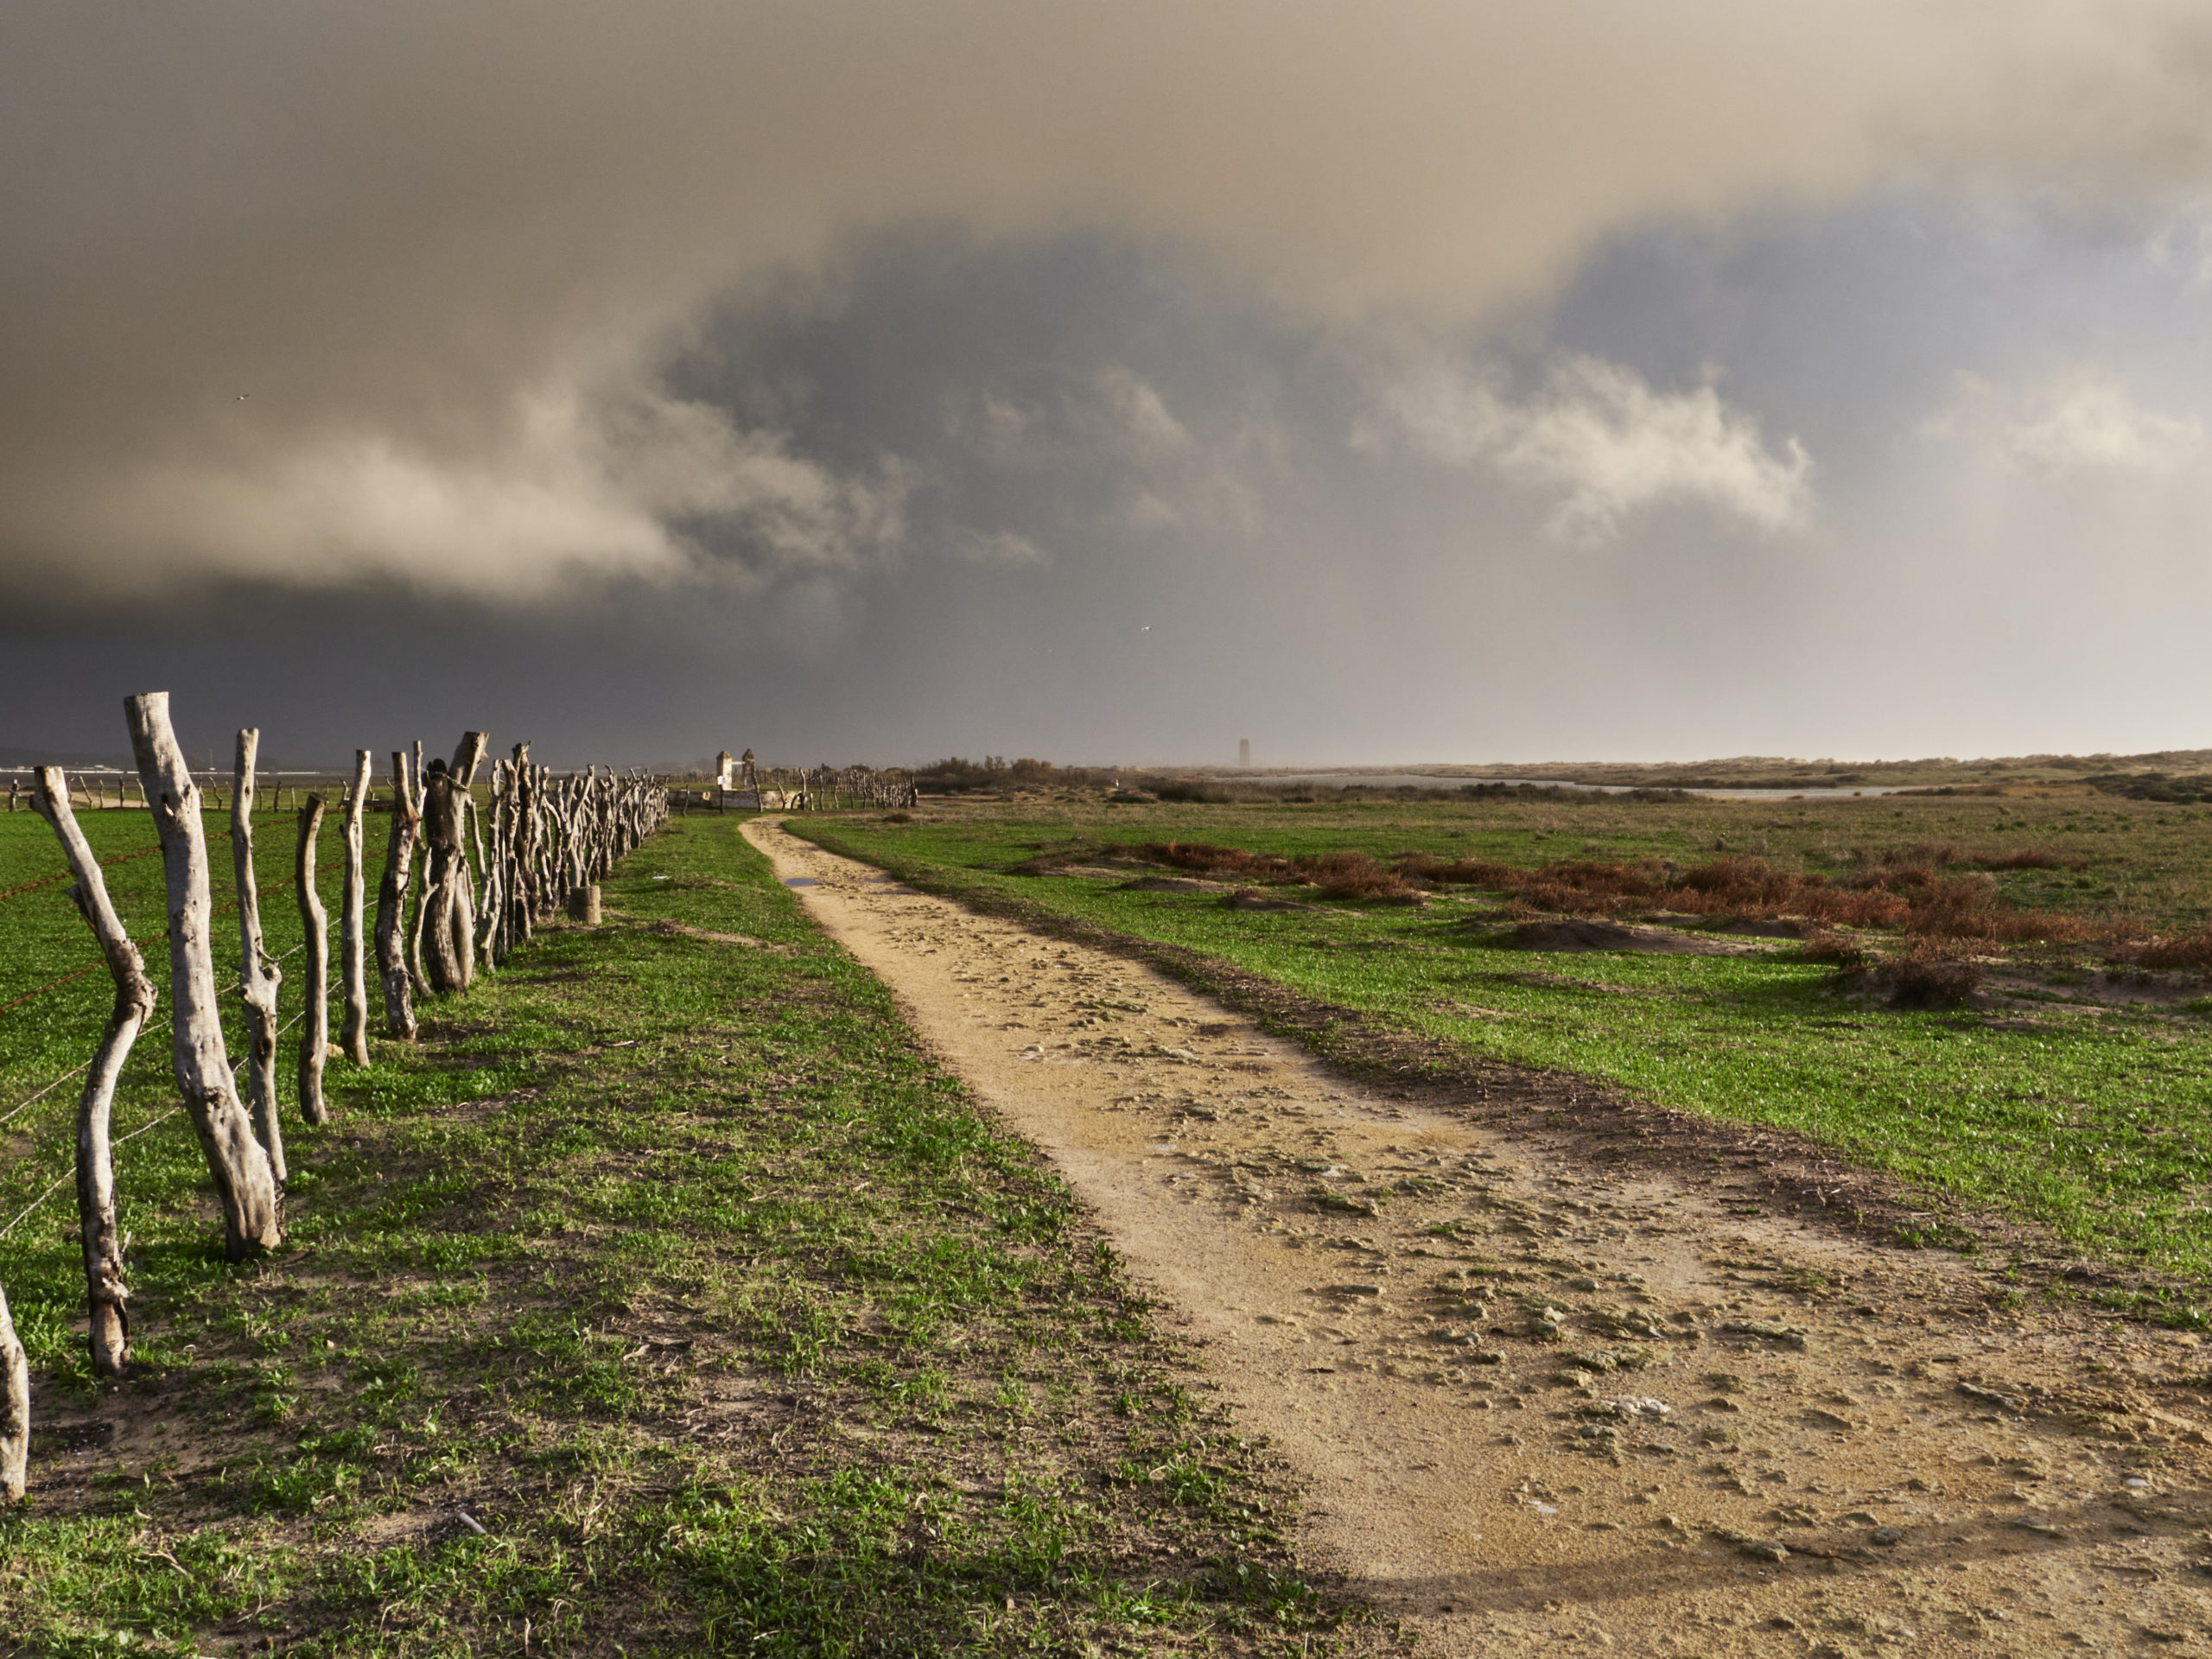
(1409, 379)
(316, 292)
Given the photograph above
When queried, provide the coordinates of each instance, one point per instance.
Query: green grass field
(2092, 1119)
(669, 1258)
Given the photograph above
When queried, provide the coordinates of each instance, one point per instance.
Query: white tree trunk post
(258, 974)
(245, 1184)
(134, 1004)
(392, 906)
(314, 923)
(15, 1408)
(353, 1035)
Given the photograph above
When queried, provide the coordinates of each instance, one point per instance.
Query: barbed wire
(18, 1111)
(124, 858)
(64, 1181)
(220, 910)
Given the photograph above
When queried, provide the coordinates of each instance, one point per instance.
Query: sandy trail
(1537, 1405)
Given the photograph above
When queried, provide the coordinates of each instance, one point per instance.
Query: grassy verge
(670, 1263)
(2095, 1121)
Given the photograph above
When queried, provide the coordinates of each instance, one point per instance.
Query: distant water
(1417, 780)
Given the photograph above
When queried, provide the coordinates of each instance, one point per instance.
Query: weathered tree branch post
(246, 1184)
(417, 978)
(353, 1035)
(134, 1004)
(314, 922)
(257, 972)
(452, 926)
(15, 1408)
(392, 904)
(491, 906)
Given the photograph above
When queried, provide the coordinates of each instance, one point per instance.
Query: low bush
(1925, 978)
(2188, 953)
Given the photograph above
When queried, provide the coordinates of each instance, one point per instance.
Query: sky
(1388, 383)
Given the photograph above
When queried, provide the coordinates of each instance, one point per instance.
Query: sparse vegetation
(1973, 1025)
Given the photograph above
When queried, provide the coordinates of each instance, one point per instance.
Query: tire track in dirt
(1535, 1403)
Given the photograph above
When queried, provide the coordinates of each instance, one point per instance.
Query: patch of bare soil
(1541, 1395)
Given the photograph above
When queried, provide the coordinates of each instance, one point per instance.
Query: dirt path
(1538, 1406)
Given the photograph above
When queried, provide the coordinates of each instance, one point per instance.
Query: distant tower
(1244, 752)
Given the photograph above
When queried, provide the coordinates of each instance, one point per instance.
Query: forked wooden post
(353, 1035)
(314, 923)
(392, 904)
(245, 1184)
(451, 926)
(134, 1004)
(258, 973)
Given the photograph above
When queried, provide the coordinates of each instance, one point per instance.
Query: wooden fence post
(258, 973)
(353, 1035)
(452, 925)
(15, 1408)
(391, 903)
(418, 874)
(245, 1184)
(104, 1293)
(486, 898)
(314, 922)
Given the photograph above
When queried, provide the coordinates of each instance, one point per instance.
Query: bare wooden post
(134, 1005)
(354, 1034)
(258, 974)
(315, 921)
(391, 902)
(445, 895)
(492, 905)
(15, 1408)
(244, 1183)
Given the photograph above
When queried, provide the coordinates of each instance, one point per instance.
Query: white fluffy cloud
(2081, 421)
(1599, 437)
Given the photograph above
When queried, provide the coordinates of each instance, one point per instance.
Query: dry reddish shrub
(1841, 907)
(1338, 875)
(1354, 876)
(2189, 953)
(1204, 859)
(2027, 858)
(1892, 887)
